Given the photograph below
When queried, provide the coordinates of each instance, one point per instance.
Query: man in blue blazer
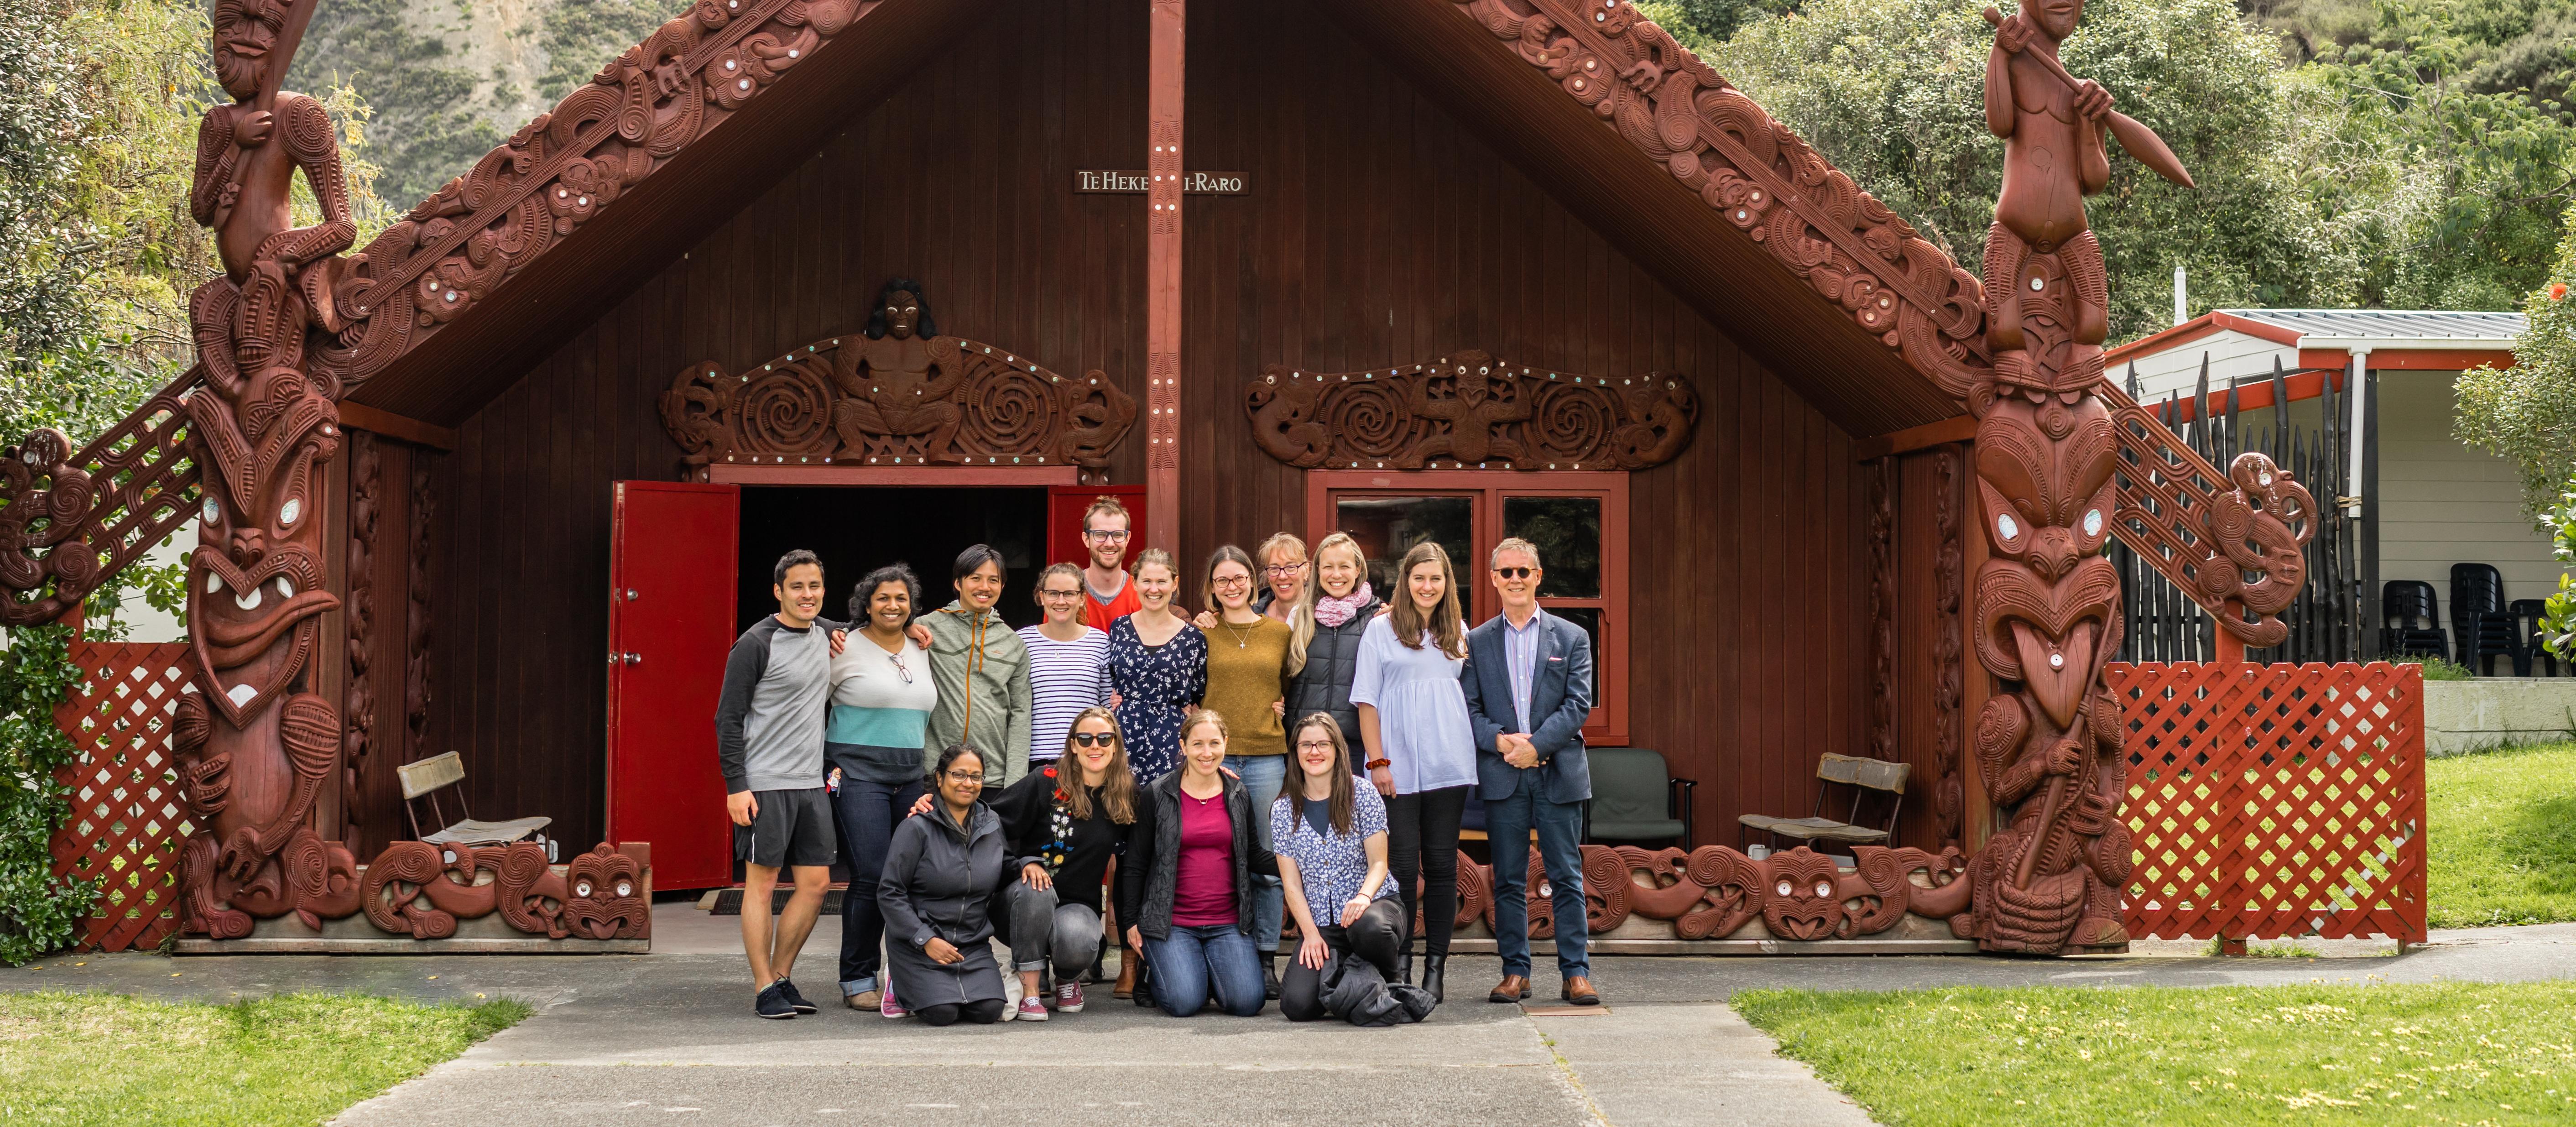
(1528, 680)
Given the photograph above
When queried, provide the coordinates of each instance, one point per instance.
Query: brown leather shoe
(1579, 991)
(1512, 988)
(1127, 963)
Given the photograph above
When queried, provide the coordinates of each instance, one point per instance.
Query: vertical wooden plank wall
(1378, 231)
(961, 180)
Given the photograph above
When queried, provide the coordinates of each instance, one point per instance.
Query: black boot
(1270, 975)
(1404, 966)
(1432, 968)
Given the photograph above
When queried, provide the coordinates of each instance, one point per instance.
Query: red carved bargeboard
(1469, 409)
(2273, 800)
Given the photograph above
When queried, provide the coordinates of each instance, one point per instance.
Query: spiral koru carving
(1466, 409)
(942, 401)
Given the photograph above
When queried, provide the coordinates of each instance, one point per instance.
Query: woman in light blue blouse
(1421, 749)
(1331, 842)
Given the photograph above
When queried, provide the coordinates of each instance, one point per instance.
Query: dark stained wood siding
(960, 180)
(1378, 231)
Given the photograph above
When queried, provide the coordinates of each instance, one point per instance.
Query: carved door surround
(1470, 410)
(889, 407)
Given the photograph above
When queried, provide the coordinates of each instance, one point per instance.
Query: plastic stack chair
(2410, 620)
(2480, 623)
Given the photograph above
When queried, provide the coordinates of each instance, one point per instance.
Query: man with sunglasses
(1109, 593)
(1528, 680)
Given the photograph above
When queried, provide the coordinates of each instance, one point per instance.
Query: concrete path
(669, 1037)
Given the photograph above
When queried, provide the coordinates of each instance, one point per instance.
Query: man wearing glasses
(1528, 680)
(1108, 592)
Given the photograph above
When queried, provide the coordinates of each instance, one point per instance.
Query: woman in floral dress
(1157, 670)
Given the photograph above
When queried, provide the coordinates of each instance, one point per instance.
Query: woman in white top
(1421, 748)
(882, 697)
(1068, 663)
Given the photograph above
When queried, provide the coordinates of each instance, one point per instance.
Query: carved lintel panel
(896, 401)
(1711, 891)
(1469, 409)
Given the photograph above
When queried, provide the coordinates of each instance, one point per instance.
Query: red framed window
(1578, 520)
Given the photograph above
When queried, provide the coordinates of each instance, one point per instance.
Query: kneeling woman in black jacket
(941, 871)
(1186, 881)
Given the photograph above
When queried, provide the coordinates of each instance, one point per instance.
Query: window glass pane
(1388, 527)
(1567, 531)
(1589, 618)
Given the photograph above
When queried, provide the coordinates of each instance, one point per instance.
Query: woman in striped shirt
(1068, 663)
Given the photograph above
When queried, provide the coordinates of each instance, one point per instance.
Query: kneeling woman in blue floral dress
(1330, 835)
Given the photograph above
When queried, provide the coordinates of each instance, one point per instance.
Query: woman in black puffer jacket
(1343, 607)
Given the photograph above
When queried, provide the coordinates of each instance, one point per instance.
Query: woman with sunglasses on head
(882, 698)
(1064, 822)
(1186, 886)
(941, 873)
(1248, 667)
(1157, 668)
(1068, 663)
(1421, 745)
(1332, 860)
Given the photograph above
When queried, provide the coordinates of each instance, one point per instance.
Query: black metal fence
(2312, 439)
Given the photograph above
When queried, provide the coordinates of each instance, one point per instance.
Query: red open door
(1065, 506)
(671, 561)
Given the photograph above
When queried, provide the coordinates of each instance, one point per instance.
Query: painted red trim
(1166, 90)
(1609, 723)
(2207, 324)
(726, 474)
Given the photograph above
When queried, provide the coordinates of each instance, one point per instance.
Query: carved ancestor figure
(2047, 616)
(255, 744)
(888, 386)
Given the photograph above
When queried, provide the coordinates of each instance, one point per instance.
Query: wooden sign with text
(1192, 183)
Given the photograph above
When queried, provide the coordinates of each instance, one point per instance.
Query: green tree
(2526, 414)
(1892, 92)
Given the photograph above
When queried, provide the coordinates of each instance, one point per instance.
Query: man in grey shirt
(769, 743)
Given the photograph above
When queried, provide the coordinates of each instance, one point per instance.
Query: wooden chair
(1864, 777)
(1636, 798)
(424, 779)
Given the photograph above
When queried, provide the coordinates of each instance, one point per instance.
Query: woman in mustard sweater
(1248, 670)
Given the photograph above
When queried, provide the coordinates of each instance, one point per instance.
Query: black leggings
(985, 1012)
(1422, 841)
(1375, 936)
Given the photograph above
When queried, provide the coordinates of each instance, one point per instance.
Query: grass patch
(2444, 669)
(2467, 1053)
(2501, 837)
(301, 1058)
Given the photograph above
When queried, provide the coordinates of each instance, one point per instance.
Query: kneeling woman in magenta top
(1186, 882)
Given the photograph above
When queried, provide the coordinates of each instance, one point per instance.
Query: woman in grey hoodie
(937, 892)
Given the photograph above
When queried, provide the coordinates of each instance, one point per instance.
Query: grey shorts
(792, 829)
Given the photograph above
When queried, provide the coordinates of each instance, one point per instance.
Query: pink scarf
(1334, 612)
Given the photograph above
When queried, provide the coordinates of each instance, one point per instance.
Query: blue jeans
(1262, 776)
(867, 814)
(1560, 829)
(1182, 966)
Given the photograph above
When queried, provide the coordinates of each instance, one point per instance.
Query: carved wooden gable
(1469, 409)
(895, 401)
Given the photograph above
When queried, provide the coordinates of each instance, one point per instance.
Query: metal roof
(2320, 327)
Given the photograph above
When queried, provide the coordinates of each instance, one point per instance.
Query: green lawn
(2502, 837)
(109, 1059)
(2449, 1053)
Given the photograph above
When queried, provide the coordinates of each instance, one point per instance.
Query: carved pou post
(2047, 603)
(255, 743)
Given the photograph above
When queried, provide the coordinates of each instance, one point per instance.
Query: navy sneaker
(797, 1000)
(773, 1003)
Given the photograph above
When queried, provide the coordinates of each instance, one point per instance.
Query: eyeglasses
(975, 777)
(1515, 572)
(1093, 739)
(1315, 745)
(1059, 594)
(1107, 535)
(1283, 571)
(1231, 582)
(900, 667)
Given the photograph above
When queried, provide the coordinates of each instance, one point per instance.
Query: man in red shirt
(1108, 592)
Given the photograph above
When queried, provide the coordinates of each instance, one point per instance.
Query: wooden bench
(1865, 777)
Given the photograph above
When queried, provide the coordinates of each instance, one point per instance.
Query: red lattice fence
(126, 823)
(2274, 800)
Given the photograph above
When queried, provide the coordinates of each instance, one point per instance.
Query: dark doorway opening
(856, 529)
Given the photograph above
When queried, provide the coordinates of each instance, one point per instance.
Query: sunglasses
(1515, 572)
(1093, 739)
